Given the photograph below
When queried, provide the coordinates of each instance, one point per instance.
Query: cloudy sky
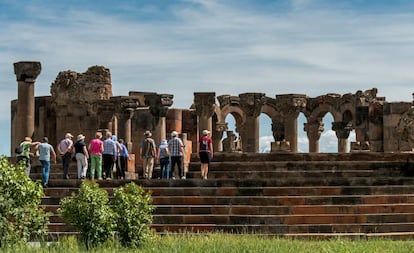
(309, 47)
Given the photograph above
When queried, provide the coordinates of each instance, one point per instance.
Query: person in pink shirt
(95, 149)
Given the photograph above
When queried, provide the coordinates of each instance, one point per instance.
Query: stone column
(376, 125)
(291, 131)
(251, 104)
(125, 109)
(204, 105)
(26, 74)
(342, 130)
(313, 131)
(158, 107)
(218, 135)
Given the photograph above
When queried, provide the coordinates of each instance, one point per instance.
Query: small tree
(134, 208)
(90, 213)
(21, 219)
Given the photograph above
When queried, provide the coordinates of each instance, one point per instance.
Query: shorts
(205, 157)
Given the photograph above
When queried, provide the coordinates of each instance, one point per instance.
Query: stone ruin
(84, 103)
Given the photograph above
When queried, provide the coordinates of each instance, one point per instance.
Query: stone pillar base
(357, 146)
(280, 146)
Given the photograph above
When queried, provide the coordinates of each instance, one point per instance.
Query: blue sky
(309, 47)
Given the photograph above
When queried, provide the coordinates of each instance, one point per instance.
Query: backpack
(147, 149)
(204, 145)
(18, 150)
(165, 152)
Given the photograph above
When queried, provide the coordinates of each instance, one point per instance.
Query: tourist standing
(147, 152)
(65, 151)
(205, 152)
(164, 156)
(96, 148)
(81, 155)
(123, 159)
(176, 148)
(108, 155)
(25, 154)
(46, 151)
(117, 166)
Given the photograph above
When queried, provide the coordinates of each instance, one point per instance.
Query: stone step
(252, 174)
(268, 182)
(274, 228)
(283, 200)
(382, 166)
(232, 191)
(317, 157)
(54, 236)
(401, 208)
(286, 230)
(283, 219)
(281, 174)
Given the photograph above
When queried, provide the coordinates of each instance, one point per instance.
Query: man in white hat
(65, 151)
(176, 147)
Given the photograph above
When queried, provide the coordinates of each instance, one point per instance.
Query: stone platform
(356, 195)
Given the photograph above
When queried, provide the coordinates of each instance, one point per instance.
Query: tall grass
(222, 243)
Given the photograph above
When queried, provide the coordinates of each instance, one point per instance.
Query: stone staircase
(294, 195)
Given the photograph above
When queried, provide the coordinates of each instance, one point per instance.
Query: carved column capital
(221, 127)
(342, 129)
(290, 105)
(314, 129)
(204, 103)
(27, 71)
(158, 104)
(251, 103)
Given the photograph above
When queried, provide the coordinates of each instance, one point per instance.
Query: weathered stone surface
(71, 87)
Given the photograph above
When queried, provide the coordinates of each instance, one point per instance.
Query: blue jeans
(45, 171)
(165, 167)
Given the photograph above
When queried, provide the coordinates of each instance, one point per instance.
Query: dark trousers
(121, 166)
(108, 162)
(177, 160)
(65, 163)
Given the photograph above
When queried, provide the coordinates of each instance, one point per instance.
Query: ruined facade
(84, 103)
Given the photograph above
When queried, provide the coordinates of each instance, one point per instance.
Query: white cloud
(221, 47)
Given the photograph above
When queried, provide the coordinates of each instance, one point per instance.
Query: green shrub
(21, 219)
(90, 213)
(133, 207)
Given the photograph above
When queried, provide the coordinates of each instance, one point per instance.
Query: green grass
(222, 243)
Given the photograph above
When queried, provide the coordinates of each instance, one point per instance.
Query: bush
(133, 207)
(21, 219)
(90, 213)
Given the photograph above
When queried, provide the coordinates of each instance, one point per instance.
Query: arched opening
(265, 133)
(328, 142)
(303, 142)
(230, 140)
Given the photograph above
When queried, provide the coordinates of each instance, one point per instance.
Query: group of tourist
(109, 157)
(170, 154)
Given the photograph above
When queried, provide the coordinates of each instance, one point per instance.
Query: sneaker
(183, 177)
(108, 178)
(44, 185)
(205, 177)
(173, 178)
(100, 178)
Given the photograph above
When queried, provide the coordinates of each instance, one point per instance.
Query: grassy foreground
(222, 243)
